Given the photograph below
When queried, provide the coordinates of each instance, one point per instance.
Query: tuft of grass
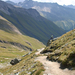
(40, 71)
(25, 66)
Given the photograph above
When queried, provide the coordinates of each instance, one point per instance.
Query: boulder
(14, 61)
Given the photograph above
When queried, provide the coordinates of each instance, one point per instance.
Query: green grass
(22, 39)
(39, 71)
(10, 51)
(24, 66)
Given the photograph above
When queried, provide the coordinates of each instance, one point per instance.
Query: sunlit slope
(63, 50)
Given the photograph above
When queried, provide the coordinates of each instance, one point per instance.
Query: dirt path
(53, 68)
(39, 50)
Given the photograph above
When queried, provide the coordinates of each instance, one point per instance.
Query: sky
(60, 2)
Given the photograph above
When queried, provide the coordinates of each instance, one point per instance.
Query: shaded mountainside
(29, 22)
(62, 50)
(60, 15)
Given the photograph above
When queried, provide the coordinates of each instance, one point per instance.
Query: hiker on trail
(51, 37)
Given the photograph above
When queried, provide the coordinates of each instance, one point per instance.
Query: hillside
(60, 15)
(13, 43)
(10, 34)
(63, 50)
(29, 22)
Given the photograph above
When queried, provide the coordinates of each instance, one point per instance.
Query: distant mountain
(10, 2)
(60, 15)
(29, 22)
(70, 6)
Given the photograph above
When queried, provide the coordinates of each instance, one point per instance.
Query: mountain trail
(52, 68)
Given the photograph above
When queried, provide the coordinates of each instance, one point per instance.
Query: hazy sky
(61, 2)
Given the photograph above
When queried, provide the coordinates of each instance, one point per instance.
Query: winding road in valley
(52, 68)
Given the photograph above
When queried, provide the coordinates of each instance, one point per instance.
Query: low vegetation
(17, 46)
(27, 66)
(63, 50)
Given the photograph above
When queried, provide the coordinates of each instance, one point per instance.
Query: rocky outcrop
(50, 41)
(14, 61)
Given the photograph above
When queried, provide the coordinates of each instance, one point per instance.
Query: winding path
(53, 68)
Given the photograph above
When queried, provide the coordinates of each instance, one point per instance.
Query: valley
(31, 44)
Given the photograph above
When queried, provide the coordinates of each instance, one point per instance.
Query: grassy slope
(15, 45)
(9, 51)
(22, 39)
(24, 67)
(63, 50)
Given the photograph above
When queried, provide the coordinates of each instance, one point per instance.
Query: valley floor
(53, 68)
